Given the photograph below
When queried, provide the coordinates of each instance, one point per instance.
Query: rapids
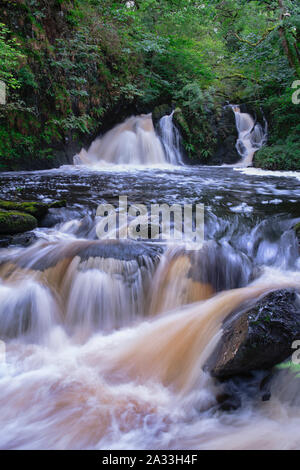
(251, 135)
(105, 340)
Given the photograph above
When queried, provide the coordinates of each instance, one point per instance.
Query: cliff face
(72, 81)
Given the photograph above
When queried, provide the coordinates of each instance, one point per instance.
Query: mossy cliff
(75, 68)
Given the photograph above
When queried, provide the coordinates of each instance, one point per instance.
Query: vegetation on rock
(74, 68)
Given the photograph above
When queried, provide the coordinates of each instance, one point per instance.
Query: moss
(160, 111)
(12, 222)
(36, 209)
(285, 156)
(57, 204)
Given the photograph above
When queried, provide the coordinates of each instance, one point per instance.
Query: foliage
(71, 66)
(9, 58)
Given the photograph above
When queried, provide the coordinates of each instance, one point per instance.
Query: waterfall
(170, 138)
(134, 142)
(251, 136)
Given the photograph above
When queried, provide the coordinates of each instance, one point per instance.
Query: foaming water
(106, 340)
(133, 142)
(251, 136)
(260, 172)
(171, 139)
(136, 388)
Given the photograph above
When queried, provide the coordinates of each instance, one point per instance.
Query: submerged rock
(258, 338)
(20, 239)
(297, 230)
(12, 222)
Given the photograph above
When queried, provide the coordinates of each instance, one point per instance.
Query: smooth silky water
(106, 341)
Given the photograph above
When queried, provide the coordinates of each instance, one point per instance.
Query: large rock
(226, 139)
(259, 338)
(36, 209)
(12, 222)
(160, 111)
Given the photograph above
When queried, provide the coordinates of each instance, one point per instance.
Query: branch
(254, 44)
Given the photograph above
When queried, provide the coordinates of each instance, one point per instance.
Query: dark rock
(20, 239)
(160, 111)
(297, 230)
(12, 222)
(58, 204)
(226, 139)
(228, 402)
(259, 338)
(234, 392)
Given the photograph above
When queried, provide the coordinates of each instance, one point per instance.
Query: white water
(251, 136)
(260, 172)
(170, 139)
(110, 356)
(135, 143)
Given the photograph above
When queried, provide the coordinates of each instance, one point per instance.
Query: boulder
(58, 204)
(160, 111)
(20, 239)
(258, 338)
(226, 139)
(36, 209)
(297, 230)
(12, 222)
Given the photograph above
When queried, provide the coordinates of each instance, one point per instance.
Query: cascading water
(106, 339)
(134, 142)
(251, 136)
(170, 138)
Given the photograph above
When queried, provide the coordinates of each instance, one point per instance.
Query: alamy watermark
(174, 223)
(2, 93)
(296, 354)
(296, 94)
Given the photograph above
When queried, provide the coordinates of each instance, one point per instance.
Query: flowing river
(106, 340)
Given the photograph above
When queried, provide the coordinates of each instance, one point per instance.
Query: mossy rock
(58, 204)
(12, 222)
(181, 123)
(160, 111)
(36, 209)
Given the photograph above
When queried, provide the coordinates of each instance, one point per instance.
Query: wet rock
(258, 338)
(160, 111)
(20, 239)
(58, 204)
(297, 230)
(12, 222)
(236, 391)
(51, 219)
(182, 124)
(226, 139)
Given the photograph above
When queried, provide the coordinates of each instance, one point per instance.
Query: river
(105, 342)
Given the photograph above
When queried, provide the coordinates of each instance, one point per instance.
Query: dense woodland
(74, 68)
